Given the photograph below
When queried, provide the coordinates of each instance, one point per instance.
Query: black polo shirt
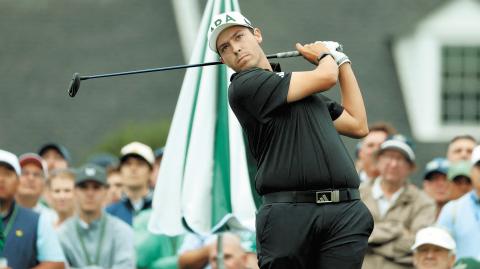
(296, 145)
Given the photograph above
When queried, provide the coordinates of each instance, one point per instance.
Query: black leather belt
(318, 196)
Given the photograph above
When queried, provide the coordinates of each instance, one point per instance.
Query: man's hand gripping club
(337, 52)
(322, 78)
(312, 51)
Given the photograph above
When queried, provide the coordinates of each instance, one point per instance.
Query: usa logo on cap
(223, 21)
(229, 18)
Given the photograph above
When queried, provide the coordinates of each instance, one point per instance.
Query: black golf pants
(308, 235)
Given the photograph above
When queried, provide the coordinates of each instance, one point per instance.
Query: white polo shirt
(383, 202)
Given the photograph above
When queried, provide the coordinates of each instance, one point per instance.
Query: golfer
(311, 215)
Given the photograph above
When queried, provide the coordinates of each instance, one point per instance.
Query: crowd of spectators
(434, 225)
(96, 215)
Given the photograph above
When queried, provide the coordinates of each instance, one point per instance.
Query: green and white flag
(204, 181)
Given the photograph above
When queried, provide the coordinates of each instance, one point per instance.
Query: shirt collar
(363, 176)
(147, 200)
(10, 211)
(275, 68)
(39, 208)
(93, 225)
(474, 196)
(378, 193)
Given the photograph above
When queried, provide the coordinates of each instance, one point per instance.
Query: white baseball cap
(223, 21)
(138, 149)
(475, 155)
(434, 236)
(11, 160)
(400, 143)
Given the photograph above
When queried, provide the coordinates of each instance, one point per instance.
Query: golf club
(75, 83)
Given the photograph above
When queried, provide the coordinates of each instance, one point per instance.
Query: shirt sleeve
(124, 250)
(446, 216)
(190, 242)
(259, 92)
(334, 108)
(48, 244)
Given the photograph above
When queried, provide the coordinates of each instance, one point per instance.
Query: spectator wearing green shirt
(154, 251)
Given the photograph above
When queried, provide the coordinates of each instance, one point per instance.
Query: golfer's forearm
(50, 265)
(326, 74)
(322, 78)
(352, 99)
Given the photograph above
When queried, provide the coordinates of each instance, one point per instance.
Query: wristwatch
(323, 55)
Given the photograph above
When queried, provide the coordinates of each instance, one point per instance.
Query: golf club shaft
(271, 56)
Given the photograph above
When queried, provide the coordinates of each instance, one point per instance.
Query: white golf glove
(331, 45)
(337, 51)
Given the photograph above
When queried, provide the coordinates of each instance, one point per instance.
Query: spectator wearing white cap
(30, 241)
(136, 164)
(434, 248)
(399, 208)
(435, 183)
(461, 217)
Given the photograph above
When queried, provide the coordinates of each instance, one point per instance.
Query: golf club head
(74, 85)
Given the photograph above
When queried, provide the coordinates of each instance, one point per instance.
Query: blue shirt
(126, 210)
(462, 219)
(48, 243)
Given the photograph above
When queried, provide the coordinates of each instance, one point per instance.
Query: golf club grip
(294, 53)
(286, 54)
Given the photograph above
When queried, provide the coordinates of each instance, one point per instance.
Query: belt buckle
(323, 197)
